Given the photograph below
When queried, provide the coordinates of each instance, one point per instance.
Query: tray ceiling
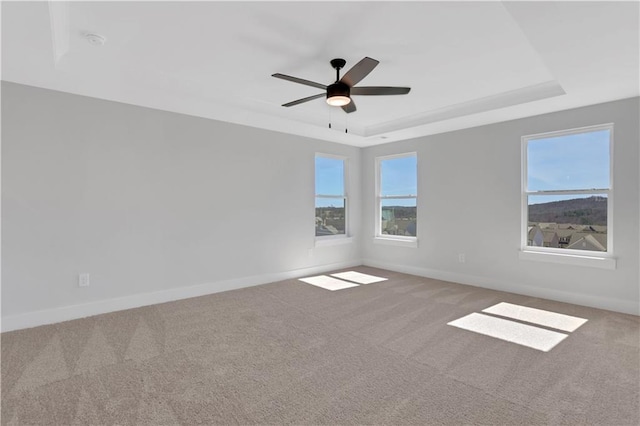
(468, 64)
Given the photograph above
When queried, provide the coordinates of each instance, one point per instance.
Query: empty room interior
(320, 213)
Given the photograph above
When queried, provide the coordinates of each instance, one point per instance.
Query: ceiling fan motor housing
(338, 89)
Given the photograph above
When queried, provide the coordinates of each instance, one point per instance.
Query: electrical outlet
(461, 258)
(83, 280)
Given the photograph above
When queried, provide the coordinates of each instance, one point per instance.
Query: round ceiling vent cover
(95, 39)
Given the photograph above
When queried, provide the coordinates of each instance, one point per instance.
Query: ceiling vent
(95, 39)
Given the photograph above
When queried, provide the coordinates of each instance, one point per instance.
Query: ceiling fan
(339, 93)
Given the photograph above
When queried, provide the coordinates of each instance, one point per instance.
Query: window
(396, 209)
(331, 197)
(567, 192)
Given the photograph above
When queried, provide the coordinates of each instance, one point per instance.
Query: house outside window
(396, 198)
(331, 197)
(567, 195)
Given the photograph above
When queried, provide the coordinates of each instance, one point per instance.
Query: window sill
(333, 241)
(569, 259)
(400, 242)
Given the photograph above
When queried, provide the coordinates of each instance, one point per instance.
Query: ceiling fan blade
(380, 90)
(350, 107)
(303, 100)
(359, 71)
(299, 80)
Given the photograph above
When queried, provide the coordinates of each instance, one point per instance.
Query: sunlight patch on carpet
(328, 283)
(536, 316)
(358, 277)
(522, 334)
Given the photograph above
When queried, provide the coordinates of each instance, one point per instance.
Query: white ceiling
(468, 64)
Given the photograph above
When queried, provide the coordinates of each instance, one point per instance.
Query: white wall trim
(398, 241)
(545, 90)
(617, 305)
(568, 259)
(66, 313)
(333, 241)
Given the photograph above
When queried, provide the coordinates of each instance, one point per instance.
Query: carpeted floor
(289, 352)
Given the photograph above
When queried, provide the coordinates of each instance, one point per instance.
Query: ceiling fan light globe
(338, 100)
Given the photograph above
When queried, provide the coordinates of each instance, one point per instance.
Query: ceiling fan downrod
(338, 64)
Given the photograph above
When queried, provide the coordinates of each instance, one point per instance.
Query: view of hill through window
(576, 223)
(568, 181)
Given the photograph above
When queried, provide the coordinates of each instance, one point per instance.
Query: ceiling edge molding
(60, 29)
(548, 89)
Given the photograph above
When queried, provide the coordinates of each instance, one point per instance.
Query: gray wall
(469, 202)
(146, 200)
(158, 206)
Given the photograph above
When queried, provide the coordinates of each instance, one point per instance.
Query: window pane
(577, 222)
(579, 161)
(329, 176)
(398, 176)
(330, 216)
(398, 217)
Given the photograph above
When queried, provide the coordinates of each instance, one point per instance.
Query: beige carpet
(290, 352)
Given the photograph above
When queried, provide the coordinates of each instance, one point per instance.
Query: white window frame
(604, 260)
(339, 238)
(379, 237)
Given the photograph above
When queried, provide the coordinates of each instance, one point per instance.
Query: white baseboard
(66, 313)
(617, 305)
